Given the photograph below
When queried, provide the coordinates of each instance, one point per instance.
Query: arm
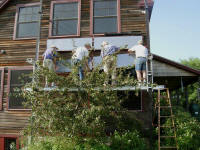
(131, 50)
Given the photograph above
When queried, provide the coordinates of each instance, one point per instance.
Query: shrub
(187, 129)
(119, 141)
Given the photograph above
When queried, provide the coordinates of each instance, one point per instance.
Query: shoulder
(135, 47)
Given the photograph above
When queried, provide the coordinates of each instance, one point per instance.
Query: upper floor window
(65, 20)
(105, 16)
(27, 18)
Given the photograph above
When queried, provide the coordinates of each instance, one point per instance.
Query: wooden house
(66, 23)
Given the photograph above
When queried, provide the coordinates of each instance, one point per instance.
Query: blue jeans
(80, 71)
(80, 68)
(140, 64)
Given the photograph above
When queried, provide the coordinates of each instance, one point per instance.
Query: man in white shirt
(141, 53)
(78, 55)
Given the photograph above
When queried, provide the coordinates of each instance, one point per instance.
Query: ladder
(149, 71)
(165, 106)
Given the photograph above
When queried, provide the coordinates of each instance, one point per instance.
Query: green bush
(126, 141)
(187, 130)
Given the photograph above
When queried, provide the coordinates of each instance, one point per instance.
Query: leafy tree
(80, 110)
(192, 90)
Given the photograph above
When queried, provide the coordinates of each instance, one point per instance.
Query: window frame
(51, 18)
(92, 19)
(9, 81)
(2, 88)
(17, 18)
(4, 136)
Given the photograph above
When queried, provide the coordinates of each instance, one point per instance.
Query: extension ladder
(149, 71)
(167, 107)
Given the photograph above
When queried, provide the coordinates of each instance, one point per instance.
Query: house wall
(161, 69)
(17, 51)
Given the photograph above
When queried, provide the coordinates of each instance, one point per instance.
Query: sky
(175, 29)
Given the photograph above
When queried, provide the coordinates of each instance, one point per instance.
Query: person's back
(140, 51)
(80, 53)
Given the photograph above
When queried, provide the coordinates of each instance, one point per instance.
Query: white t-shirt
(80, 53)
(140, 51)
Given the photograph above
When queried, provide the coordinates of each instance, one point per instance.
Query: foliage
(80, 114)
(127, 141)
(192, 89)
(187, 130)
(192, 62)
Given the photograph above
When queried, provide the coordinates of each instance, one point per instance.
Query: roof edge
(3, 3)
(176, 64)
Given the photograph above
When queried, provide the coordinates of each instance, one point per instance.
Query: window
(1, 86)
(17, 77)
(131, 100)
(6, 142)
(105, 15)
(27, 18)
(65, 18)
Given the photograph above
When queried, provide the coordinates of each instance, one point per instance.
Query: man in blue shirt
(109, 60)
(49, 61)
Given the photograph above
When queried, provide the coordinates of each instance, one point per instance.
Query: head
(88, 46)
(53, 47)
(104, 43)
(140, 42)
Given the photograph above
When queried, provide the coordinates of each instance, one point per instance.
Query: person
(141, 53)
(109, 61)
(78, 55)
(49, 61)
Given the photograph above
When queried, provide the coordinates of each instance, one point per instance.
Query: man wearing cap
(78, 55)
(141, 53)
(109, 61)
(49, 61)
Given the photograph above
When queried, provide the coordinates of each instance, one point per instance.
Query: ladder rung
(165, 106)
(167, 116)
(166, 147)
(167, 136)
(166, 126)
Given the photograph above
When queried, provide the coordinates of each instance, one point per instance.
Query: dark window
(9, 143)
(18, 78)
(65, 19)
(105, 16)
(27, 23)
(131, 100)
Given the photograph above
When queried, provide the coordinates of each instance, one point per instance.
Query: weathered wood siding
(11, 122)
(18, 50)
(161, 69)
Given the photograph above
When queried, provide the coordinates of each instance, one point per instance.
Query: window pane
(105, 8)
(28, 18)
(27, 30)
(20, 76)
(65, 27)
(25, 10)
(105, 25)
(28, 12)
(105, 12)
(18, 79)
(65, 11)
